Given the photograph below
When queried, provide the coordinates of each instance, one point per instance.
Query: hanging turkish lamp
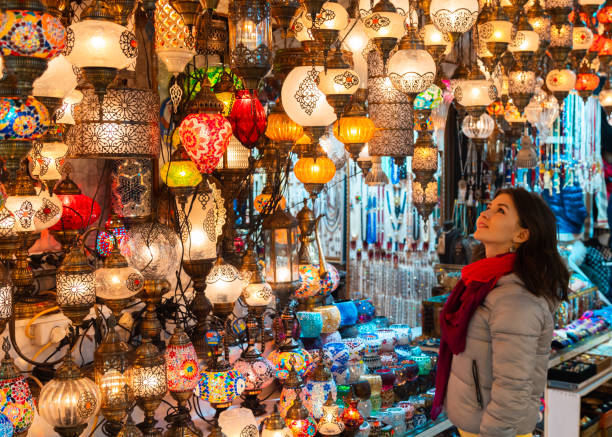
(248, 119)
(301, 29)
(250, 40)
(224, 285)
(364, 161)
(69, 400)
(561, 41)
(496, 32)
(560, 83)
(478, 129)
(436, 42)
(258, 294)
(338, 81)
(99, 46)
(525, 43)
(180, 174)
(411, 69)
(112, 373)
(425, 157)
(320, 388)
(18, 405)
(354, 129)
(79, 211)
(384, 26)
(526, 157)
(204, 132)
(582, 39)
(181, 367)
(48, 157)
(175, 59)
(23, 203)
(454, 17)
(58, 80)
(425, 197)
(475, 92)
(331, 19)
(30, 38)
(355, 39)
(540, 22)
(605, 97)
(521, 86)
(281, 129)
(304, 102)
(586, 82)
(314, 172)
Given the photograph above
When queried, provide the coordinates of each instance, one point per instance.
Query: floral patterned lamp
(69, 400)
(238, 422)
(75, 280)
(329, 424)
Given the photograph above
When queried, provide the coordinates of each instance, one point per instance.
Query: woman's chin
(480, 235)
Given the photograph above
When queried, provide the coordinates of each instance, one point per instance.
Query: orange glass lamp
(314, 173)
(354, 129)
(586, 83)
(281, 129)
(351, 417)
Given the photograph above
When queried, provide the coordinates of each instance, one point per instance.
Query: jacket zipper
(477, 384)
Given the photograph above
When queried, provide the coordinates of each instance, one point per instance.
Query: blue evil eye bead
(311, 324)
(348, 312)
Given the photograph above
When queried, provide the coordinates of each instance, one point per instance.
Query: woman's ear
(521, 236)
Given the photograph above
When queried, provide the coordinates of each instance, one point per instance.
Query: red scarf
(477, 280)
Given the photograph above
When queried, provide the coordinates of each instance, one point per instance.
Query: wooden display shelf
(578, 348)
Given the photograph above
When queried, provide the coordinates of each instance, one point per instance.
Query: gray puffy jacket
(495, 385)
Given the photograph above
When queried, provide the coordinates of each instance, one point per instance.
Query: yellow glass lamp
(180, 174)
(354, 131)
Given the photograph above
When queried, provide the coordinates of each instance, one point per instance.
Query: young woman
(497, 324)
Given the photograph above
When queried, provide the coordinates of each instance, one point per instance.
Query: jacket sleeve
(516, 323)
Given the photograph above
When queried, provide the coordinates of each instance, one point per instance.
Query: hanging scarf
(477, 280)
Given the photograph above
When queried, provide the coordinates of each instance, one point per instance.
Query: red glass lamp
(586, 83)
(79, 211)
(248, 119)
(204, 132)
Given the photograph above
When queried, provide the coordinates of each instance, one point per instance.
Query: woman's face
(498, 226)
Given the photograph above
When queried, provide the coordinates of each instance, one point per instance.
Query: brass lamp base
(338, 102)
(12, 153)
(70, 431)
(31, 307)
(51, 103)
(100, 78)
(385, 45)
(66, 237)
(223, 310)
(76, 313)
(251, 401)
(497, 48)
(25, 70)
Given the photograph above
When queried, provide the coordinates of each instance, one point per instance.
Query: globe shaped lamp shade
(355, 39)
(99, 46)
(525, 41)
(521, 86)
(29, 38)
(182, 173)
(560, 82)
(69, 400)
(338, 82)
(299, 420)
(224, 285)
(79, 210)
(181, 366)
(604, 15)
(474, 93)
(282, 129)
(302, 99)
(582, 38)
(238, 422)
(354, 131)
(436, 42)
(23, 209)
(248, 119)
(384, 23)
(201, 222)
(116, 282)
(478, 127)
(454, 17)
(301, 25)
(310, 282)
(153, 249)
(586, 83)
(496, 34)
(50, 211)
(284, 361)
(257, 294)
(411, 70)
(605, 100)
(221, 387)
(48, 158)
(314, 172)
(258, 372)
(75, 283)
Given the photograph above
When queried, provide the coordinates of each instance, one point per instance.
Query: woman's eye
(500, 210)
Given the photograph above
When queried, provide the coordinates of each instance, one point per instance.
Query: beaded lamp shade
(221, 387)
(284, 361)
(391, 112)
(128, 127)
(258, 372)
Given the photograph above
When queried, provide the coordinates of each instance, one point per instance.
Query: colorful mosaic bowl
(348, 312)
(22, 119)
(30, 33)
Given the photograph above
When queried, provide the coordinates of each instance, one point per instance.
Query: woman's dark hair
(538, 263)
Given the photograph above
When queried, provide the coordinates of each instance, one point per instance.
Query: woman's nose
(485, 213)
